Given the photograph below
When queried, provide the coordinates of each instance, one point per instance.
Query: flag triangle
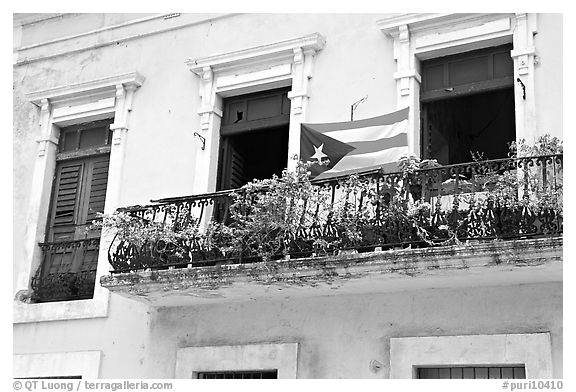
(323, 151)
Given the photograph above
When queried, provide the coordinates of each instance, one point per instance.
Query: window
(253, 137)
(467, 105)
(68, 270)
(229, 75)
(472, 372)
(60, 109)
(241, 374)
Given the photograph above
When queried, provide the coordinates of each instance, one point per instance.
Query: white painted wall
(339, 335)
(160, 162)
(548, 74)
(122, 338)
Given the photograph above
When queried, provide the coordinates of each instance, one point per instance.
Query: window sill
(68, 310)
(79, 363)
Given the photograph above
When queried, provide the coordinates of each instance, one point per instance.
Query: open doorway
(253, 138)
(253, 155)
(467, 106)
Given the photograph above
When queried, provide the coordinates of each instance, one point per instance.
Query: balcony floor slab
(463, 265)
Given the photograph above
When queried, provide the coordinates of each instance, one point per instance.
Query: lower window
(472, 372)
(240, 374)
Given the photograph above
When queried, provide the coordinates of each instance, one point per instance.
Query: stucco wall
(161, 146)
(24, 151)
(160, 160)
(122, 338)
(160, 155)
(548, 74)
(338, 336)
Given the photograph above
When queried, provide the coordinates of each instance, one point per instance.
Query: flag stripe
(386, 167)
(370, 159)
(386, 119)
(353, 147)
(363, 147)
(369, 133)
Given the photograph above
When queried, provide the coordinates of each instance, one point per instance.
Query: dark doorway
(253, 138)
(480, 123)
(467, 106)
(253, 155)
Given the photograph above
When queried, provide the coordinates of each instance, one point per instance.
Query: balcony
(491, 215)
(68, 271)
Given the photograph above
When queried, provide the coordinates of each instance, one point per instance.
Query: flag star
(319, 154)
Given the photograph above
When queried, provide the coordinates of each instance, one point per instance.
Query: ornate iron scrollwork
(502, 198)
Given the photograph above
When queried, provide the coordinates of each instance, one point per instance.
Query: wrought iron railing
(497, 199)
(68, 271)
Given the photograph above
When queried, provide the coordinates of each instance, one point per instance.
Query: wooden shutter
(257, 111)
(236, 168)
(79, 194)
(467, 73)
(97, 183)
(231, 166)
(66, 201)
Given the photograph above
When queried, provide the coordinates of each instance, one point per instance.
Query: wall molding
(533, 350)
(90, 88)
(280, 50)
(125, 31)
(268, 356)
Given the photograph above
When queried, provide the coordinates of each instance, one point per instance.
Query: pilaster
(44, 167)
(524, 54)
(407, 83)
(210, 113)
(299, 96)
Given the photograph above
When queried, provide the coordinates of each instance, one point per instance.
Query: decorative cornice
(25, 19)
(282, 49)
(128, 80)
(420, 21)
(409, 73)
(125, 31)
(390, 26)
(523, 52)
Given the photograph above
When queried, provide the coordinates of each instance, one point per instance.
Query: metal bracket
(355, 105)
(523, 88)
(203, 139)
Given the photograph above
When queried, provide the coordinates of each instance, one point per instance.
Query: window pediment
(273, 54)
(94, 90)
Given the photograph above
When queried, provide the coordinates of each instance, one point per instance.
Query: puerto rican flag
(342, 148)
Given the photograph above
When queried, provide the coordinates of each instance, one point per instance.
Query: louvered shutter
(231, 167)
(79, 194)
(66, 201)
(236, 168)
(98, 182)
